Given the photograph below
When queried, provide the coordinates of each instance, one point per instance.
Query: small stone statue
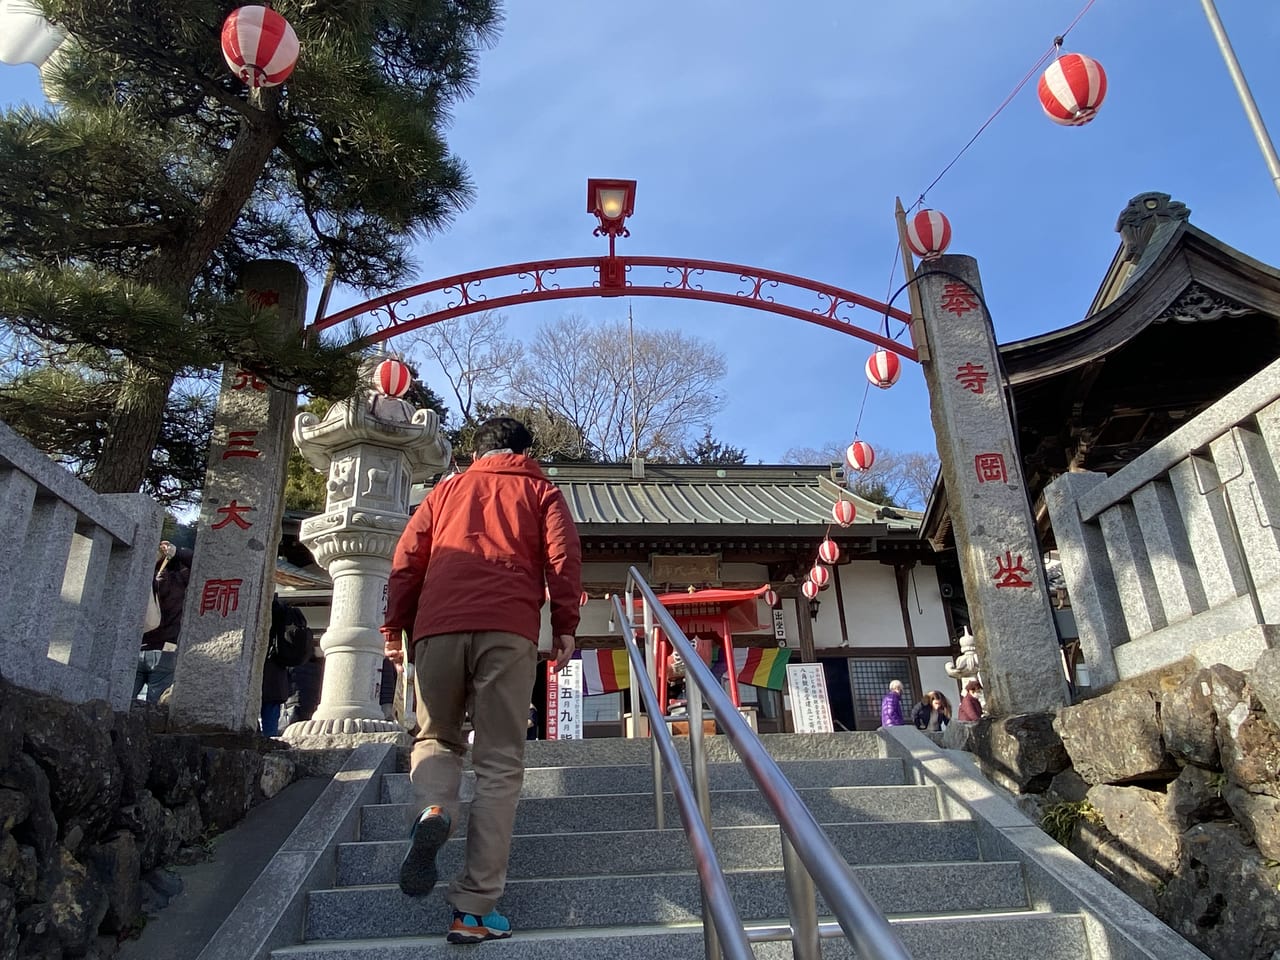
(965, 665)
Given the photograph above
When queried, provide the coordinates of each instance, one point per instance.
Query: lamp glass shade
(611, 203)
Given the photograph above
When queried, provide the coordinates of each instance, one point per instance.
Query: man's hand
(393, 646)
(562, 646)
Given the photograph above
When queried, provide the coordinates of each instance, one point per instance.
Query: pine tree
(133, 203)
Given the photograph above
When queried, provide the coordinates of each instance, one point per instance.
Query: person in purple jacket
(891, 706)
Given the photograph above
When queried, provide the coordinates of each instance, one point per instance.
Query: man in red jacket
(467, 585)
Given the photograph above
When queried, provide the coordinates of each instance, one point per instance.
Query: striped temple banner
(757, 666)
(605, 671)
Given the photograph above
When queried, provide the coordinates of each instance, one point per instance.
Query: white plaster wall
(933, 677)
(928, 623)
(871, 606)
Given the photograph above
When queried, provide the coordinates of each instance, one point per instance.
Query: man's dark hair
(502, 433)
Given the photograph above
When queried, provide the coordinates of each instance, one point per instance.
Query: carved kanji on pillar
(995, 535)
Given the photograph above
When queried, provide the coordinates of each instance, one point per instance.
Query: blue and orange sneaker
(418, 870)
(468, 928)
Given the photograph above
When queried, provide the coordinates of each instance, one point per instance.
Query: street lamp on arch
(611, 202)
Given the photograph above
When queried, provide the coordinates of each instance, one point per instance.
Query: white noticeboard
(810, 709)
(564, 719)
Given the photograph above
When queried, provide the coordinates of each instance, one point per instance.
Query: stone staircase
(591, 877)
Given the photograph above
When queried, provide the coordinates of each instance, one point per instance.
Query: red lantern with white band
(844, 512)
(828, 552)
(820, 575)
(928, 234)
(770, 598)
(392, 378)
(860, 456)
(809, 589)
(1072, 89)
(259, 45)
(883, 369)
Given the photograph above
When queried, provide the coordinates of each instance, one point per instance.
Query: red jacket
(482, 551)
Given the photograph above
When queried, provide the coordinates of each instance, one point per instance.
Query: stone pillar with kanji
(999, 555)
(223, 645)
(373, 449)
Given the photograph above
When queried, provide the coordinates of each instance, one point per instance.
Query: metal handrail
(803, 840)
(726, 931)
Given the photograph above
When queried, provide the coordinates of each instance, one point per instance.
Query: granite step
(634, 811)
(1045, 936)
(665, 851)
(638, 778)
(618, 751)
(596, 901)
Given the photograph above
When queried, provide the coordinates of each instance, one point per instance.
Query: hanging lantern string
(1045, 57)
(1053, 51)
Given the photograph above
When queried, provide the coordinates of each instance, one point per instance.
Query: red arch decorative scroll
(539, 280)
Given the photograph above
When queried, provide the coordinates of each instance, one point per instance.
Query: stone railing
(74, 577)
(1178, 553)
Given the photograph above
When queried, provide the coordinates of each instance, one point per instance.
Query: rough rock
(14, 807)
(76, 903)
(132, 745)
(18, 871)
(188, 824)
(117, 867)
(39, 829)
(11, 722)
(1265, 682)
(159, 886)
(73, 746)
(154, 826)
(277, 773)
(1196, 797)
(39, 938)
(1138, 818)
(1094, 844)
(1020, 752)
(1116, 738)
(176, 768)
(1259, 815)
(1068, 785)
(232, 778)
(8, 924)
(1223, 898)
(1188, 721)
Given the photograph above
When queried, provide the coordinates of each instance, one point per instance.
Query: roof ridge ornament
(1140, 217)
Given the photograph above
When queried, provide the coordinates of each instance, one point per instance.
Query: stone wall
(92, 805)
(1168, 785)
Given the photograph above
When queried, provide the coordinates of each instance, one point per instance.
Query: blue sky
(778, 135)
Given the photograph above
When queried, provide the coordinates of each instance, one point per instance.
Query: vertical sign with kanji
(995, 534)
(224, 626)
(567, 714)
(553, 701)
(810, 706)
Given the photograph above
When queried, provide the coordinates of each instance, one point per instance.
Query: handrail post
(802, 904)
(659, 812)
(701, 786)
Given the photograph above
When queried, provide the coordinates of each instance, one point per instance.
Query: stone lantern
(374, 447)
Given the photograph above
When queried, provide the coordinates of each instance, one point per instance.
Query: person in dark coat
(933, 713)
(159, 653)
(970, 706)
(275, 675)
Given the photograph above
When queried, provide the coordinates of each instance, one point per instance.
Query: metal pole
(802, 904)
(659, 814)
(1242, 88)
(701, 784)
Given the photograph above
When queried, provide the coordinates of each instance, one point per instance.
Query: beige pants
(493, 672)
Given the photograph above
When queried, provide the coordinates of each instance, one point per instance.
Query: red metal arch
(682, 279)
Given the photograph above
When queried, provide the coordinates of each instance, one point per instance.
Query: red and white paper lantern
(820, 575)
(770, 598)
(883, 369)
(860, 456)
(828, 552)
(844, 512)
(259, 45)
(928, 234)
(392, 378)
(810, 589)
(1072, 89)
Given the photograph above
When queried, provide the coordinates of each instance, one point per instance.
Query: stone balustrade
(1177, 554)
(74, 577)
